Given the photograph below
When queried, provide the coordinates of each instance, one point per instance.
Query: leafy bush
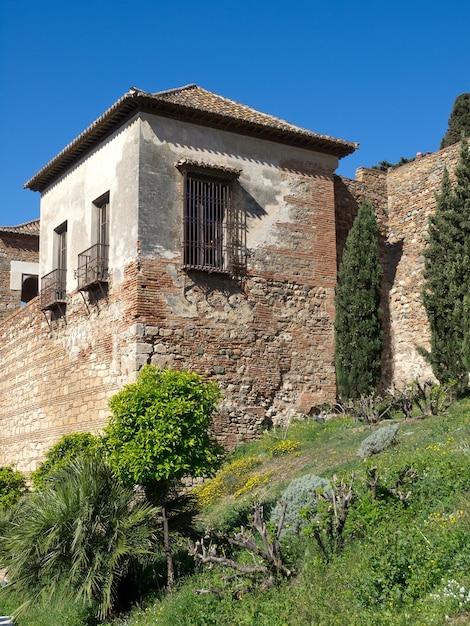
(379, 441)
(159, 433)
(67, 449)
(300, 497)
(12, 486)
(410, 562)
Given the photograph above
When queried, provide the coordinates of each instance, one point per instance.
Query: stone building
(19, 256)
(185, 230)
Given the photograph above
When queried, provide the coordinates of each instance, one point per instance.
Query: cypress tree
(358, 322)
(459, 121)
(447, 276)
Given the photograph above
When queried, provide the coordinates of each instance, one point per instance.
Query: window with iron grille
(213, 231)
(92, 269)
(53, 285)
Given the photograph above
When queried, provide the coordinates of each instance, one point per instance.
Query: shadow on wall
(390, 256)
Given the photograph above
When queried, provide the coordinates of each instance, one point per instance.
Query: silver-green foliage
(300, 497)
(378, 441)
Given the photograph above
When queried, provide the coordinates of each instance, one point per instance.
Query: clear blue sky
(382, 74)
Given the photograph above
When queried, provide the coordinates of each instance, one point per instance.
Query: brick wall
(14, 247)
(57, 379)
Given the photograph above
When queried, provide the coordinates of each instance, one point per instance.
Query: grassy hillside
(403, 557)
(404, 561)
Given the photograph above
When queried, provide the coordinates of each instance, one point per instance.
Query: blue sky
(382, 74)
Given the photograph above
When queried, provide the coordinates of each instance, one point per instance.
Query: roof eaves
(97, 131)
(136, 99)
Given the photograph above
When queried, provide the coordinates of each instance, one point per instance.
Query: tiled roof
(193, 104)
(193, 96)
(28, 228)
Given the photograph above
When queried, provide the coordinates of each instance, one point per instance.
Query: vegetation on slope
(405, 551)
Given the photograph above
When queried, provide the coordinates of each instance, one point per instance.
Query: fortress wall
(265, 336)
(412, 192)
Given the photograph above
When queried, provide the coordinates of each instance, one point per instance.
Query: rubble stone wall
(412, 192)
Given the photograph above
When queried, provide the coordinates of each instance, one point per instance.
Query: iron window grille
(213, 228)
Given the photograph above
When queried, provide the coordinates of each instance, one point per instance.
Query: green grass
(402, 563)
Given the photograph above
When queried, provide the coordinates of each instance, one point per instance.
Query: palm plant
(86, 529)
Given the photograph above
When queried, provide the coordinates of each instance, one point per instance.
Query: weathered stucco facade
(254, 310)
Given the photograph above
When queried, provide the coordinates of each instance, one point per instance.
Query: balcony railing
(53, 289)
(92, 266)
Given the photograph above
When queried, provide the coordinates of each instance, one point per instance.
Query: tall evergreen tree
(358, 322)
(459, 121)
(447, 275)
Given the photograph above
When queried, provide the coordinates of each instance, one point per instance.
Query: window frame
(213, 231)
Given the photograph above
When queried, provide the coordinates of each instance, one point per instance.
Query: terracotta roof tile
(196, 97)
(196, 105)
(28, 228)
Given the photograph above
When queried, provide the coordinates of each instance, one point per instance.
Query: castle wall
(411, 200)
(266, 336)
(57, 378)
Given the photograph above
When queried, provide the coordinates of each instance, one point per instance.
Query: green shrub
(86, 528)
(378, 441)
(12, 486)
(300, 497)
(68, 448)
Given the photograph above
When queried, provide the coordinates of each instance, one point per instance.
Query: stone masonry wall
(57, 379)
(403, 198)
(14, 247)
(411, 200)
(266, 336)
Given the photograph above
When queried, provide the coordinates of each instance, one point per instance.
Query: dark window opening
(206, 213)
(92, 268)
(29, 287)
(213, 227)
(54, 285)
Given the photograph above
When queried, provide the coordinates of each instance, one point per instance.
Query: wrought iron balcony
(92, 267)
(53, 289)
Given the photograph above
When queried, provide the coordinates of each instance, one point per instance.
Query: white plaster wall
(18, 268)
(136, 165)
(165, 141)
(113, 168)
